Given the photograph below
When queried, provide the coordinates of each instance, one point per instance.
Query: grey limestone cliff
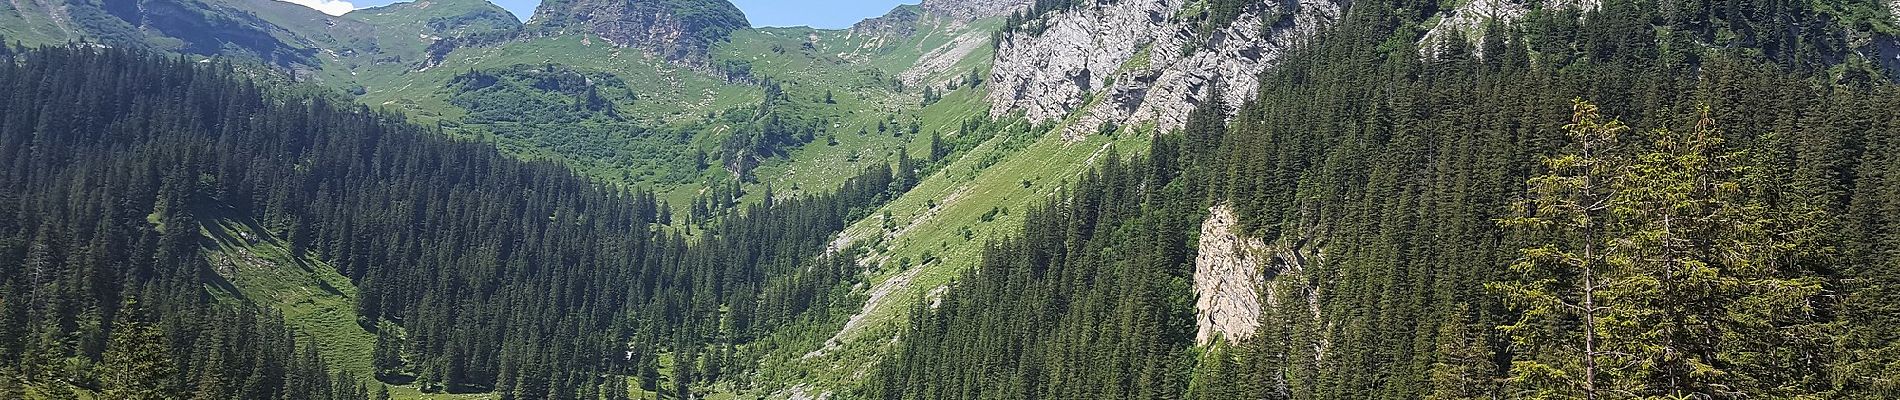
(1138, 61)
(1227, 280)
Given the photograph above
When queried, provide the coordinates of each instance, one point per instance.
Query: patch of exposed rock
(932, 17)
(1467, 22)
(1227, 280)
(937, 62)
(1895, 6)
(1138, 61)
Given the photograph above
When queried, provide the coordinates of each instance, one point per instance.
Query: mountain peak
(678, 30)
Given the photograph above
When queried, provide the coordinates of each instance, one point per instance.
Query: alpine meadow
(959, 199)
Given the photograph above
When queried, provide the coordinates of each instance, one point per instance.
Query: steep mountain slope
(1362, 175)
(273, 32)
(1377, 164)
(926, 239)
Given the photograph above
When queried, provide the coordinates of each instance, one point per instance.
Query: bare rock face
(1227, 280)
(1138, 61)
(1467, 22)
(677, 30)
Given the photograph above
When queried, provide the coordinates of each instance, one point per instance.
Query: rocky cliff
(1238, 280)
(1143, 60)
(1227, 280)
(677, 30)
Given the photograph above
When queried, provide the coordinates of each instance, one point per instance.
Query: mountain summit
(678, 30)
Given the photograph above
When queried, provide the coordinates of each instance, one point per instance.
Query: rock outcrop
(1143, 61)
(677, 30)
(1468, 22)
(948, 14)
(1894, 5)
(1227, 280)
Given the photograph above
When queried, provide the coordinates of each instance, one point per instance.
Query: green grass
(29, 24)
(403, 29)
(989, 177)
(315, 301)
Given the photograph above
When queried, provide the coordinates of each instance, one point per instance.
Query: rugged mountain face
(678, 30)
(1143, 60)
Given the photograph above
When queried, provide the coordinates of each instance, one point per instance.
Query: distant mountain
(274, 32)
(408, 28)
(679, 30)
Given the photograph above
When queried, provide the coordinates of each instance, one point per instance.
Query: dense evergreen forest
(1692, 199)
(478, 272)
(1636, 202)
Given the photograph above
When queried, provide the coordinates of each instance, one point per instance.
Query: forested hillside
(961, 199)
(1630, 202)
(476, 272)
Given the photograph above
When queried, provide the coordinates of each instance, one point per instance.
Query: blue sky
(816, 13)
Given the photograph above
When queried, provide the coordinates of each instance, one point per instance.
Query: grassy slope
(314, 300)
(402, 29)
(27, 22)
(963, 193)
(934, 218)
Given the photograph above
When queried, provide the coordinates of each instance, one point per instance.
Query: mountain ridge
(677, 30)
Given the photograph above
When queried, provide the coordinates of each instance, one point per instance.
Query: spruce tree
(136, 364)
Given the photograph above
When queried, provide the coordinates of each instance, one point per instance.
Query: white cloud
(332, 7)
